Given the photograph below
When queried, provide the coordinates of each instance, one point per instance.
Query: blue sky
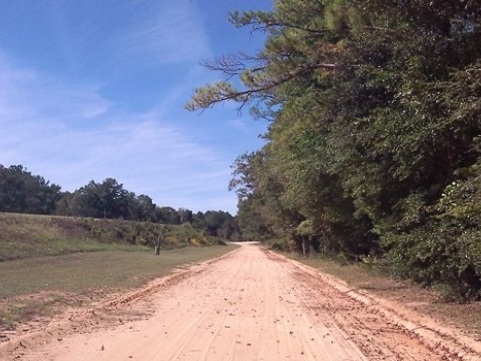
(95, 89)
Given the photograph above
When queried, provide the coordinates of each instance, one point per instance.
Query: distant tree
(86, 201)
(253, 226)
(185, 215)
(143, 208)
(198, 220)
(228, 228)
(167, 215)
(62, 207)
(22, 192)
(219, 223)
(103, 200)
(115, 199)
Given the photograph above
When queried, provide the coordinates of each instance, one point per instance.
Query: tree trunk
(157, 245)
(312, 250)
(304, 246)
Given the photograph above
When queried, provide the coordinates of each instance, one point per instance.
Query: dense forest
(374, 139)
(23, 192)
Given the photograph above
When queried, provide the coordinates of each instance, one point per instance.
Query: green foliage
(306, 228)
(141, 233)
(107, 200)
(374, 141)
(23, 192)
(167, 215)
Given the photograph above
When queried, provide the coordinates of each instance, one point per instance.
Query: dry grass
(427, 301)
(37, 287)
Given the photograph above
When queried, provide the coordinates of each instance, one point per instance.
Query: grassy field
(426, 301)
(48, 262)
(80, 272)
(37, 287)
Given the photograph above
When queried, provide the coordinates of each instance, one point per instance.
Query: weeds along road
(249, 305)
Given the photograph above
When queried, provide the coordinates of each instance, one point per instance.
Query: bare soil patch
(464, 317)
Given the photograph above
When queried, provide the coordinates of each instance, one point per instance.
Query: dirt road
(249, 305)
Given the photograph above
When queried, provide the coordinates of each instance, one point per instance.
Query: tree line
(23, 192)
(374, 139)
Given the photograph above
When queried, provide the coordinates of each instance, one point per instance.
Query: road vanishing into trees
(251, 304)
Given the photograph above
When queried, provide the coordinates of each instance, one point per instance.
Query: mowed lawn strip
(82, 274)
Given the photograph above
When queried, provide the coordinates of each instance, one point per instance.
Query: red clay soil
(249, 305)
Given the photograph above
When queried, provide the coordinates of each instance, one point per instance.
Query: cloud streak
(26, 93)
(70, 134)
(170, 33)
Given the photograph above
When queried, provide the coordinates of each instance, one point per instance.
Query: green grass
(26, 236)
(37, 287)
(82, 272)
(14, 250)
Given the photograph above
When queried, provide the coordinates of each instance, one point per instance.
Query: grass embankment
(52, 262)
(25, 236)
(410, 295)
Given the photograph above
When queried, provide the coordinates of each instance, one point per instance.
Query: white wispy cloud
(71, 134)
(168, 33)
(25, 92)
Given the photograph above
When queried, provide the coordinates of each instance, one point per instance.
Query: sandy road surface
(249, 305)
